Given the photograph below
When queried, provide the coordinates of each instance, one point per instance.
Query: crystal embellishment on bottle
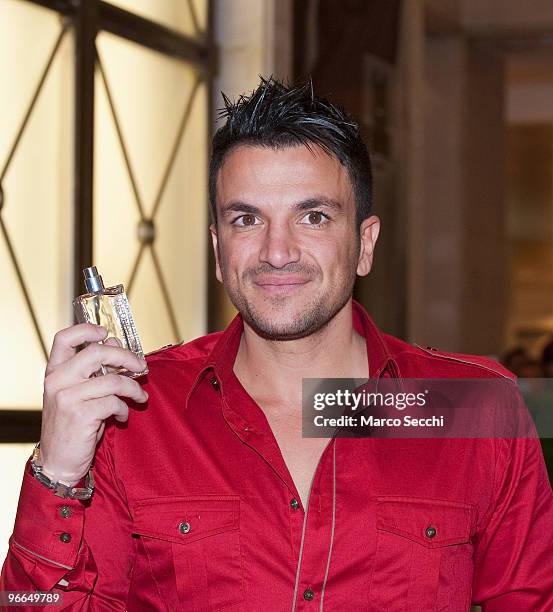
(110, 308)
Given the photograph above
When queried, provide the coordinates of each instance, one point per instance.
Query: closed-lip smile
(279, 281)
(281, 284)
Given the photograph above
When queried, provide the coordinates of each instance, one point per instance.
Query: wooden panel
(530, 230)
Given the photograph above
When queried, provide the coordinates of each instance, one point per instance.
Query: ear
(369, 230)
(213, 230)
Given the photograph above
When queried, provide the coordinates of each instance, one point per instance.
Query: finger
(67, 340)
(90, 359)
(100, 432)
(110, 384)
(113, 341)
(107, 407)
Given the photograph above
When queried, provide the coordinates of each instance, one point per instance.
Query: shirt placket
(316, 536)
(310, 529)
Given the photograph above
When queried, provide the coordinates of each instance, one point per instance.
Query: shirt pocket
(192, 544)
(423, 558)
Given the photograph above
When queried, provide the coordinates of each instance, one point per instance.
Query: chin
(287, 323)
(279, 331)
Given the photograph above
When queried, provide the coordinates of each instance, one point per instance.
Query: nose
(279, 246)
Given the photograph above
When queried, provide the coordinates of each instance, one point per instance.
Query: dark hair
(278, 115)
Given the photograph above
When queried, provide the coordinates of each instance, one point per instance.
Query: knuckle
(130, 390)
(114, 405)
(122, 405)
(94, 350)
(112, 382)
(49, 386)
(59, 336)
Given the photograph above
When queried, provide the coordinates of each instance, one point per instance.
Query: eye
(316, 217)
(246, 220)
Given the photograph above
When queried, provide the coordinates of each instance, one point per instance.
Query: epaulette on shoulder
(478, 361)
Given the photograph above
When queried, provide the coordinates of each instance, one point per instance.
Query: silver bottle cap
(92, 280)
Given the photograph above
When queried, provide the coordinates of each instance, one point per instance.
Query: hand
(75, 406)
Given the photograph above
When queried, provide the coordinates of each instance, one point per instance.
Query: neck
(272, 371)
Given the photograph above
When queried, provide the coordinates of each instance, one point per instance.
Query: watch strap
(60, 488)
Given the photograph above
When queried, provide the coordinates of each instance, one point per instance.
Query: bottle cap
(92, 280)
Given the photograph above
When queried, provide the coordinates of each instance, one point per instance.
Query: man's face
(286, 244)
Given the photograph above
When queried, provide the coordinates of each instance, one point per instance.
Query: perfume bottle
(109, 307)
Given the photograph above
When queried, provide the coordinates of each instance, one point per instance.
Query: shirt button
(308, 594)
(65, 538)
(294, 504)
(184, 527)
(430, 532)
(65, 511)
(215, 384)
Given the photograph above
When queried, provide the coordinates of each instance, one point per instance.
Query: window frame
(86, 19)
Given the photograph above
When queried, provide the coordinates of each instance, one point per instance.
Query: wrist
(55, 476)
(60, 487)
(54, 473)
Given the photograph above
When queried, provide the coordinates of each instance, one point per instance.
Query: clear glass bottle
(109, 307)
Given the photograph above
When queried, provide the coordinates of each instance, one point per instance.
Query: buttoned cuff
(47, 527)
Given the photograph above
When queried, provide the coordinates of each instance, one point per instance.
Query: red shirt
(195, 509)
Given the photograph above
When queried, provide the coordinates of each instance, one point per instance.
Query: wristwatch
(59, 488)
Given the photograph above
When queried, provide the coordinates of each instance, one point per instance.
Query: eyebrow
(308, 204)
(318, 202)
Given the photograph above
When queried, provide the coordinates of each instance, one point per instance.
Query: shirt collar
(223, 355)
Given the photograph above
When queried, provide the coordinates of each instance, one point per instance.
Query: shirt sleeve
(82, 550)
(514, 552)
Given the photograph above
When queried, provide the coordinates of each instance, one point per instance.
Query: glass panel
(182, 223)
(37, 194)
(152, 94)
(185, 16)
(149, 309)
(12, 459)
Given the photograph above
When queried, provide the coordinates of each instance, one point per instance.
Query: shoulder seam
(163, 348)
(441, 355)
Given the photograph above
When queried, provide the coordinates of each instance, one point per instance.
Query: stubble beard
(314, 316)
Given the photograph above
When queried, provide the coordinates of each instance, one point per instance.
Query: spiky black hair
(279, 115)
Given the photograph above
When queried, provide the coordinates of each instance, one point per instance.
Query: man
(207, 497)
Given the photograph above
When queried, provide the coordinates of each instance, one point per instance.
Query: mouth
(281, 284)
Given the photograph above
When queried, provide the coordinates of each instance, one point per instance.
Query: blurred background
(106, 117)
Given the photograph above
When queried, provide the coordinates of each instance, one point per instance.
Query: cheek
(341, 264)
(335, 253)
(241, 250)
(233, 260)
